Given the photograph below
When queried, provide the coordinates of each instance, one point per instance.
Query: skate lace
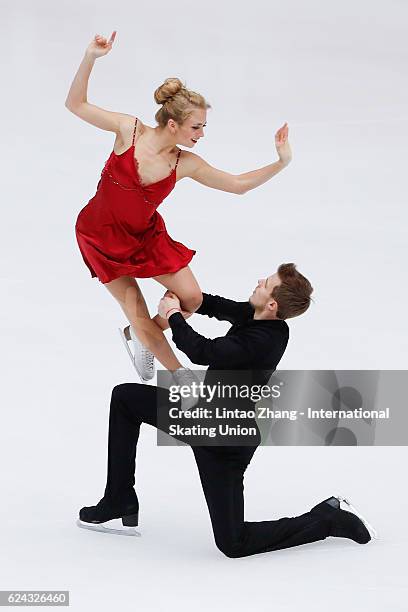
(146, 356)
(148, 359)
(370, 528)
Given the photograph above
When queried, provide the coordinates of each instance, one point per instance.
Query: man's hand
(168, 302)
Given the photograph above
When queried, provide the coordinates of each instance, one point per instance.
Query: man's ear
(273, 306)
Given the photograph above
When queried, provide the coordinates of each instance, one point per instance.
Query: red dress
(120, 232)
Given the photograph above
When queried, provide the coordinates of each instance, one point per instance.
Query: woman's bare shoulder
(125, 136)
(189, 163)
(127, 125)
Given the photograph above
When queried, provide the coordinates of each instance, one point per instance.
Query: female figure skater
(120, 234)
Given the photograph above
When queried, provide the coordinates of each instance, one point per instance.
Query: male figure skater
(256, 341)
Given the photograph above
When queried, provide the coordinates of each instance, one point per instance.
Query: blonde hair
(177, 101)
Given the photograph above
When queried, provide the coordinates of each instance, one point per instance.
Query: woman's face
(190, 132)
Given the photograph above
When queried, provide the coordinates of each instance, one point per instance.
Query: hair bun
(168, 90)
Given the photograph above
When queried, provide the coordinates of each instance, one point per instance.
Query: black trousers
(221, 474)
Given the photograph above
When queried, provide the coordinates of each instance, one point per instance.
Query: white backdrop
(336, 72)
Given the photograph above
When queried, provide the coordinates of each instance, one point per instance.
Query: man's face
(261, 295)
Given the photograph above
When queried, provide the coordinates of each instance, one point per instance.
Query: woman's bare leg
(184, 284)
(127, 292)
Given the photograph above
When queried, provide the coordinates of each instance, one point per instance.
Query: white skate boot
(141, 358)
(184, 377)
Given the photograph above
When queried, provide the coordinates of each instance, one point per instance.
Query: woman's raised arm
(77, 101)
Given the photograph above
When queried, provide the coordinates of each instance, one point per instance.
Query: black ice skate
(103, 517)
(345, 524)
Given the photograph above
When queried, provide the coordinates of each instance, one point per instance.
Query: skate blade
(117, 527)
(373, 532)
(132, 359)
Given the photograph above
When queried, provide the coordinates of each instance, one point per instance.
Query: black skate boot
(104, 517)
(345, 524)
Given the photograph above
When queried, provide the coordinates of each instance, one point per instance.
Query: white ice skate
(141, 358)
(184, 377)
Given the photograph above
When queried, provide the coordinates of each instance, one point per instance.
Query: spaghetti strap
(177, 160)
(134, 132)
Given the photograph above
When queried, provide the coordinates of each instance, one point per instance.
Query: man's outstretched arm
(224, 351)
(224, 309)
(215, 306)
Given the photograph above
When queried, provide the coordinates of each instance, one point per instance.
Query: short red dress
(120, 232)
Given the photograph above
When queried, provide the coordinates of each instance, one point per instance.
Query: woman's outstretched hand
(100, 45)
(282, 144)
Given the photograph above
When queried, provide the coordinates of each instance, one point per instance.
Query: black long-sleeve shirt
(250, 351)
(250, 344)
